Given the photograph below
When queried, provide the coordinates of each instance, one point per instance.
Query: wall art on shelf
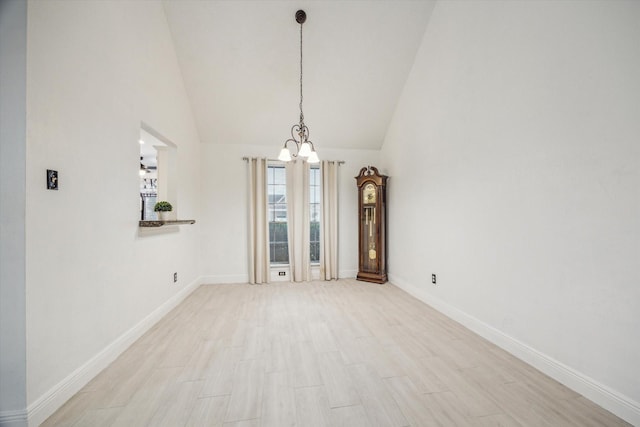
(52, 179)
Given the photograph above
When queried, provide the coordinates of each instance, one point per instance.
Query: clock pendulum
(370, 220)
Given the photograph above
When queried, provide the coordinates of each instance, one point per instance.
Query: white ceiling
(240, 64)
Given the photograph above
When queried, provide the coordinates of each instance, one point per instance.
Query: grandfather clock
(372, 224)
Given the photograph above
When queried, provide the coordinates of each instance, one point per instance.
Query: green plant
(163, 206)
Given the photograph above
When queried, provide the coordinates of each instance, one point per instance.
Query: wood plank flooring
(343, 353)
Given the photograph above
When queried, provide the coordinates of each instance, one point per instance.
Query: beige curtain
(329, 221)
(258, 222)
(298, 220)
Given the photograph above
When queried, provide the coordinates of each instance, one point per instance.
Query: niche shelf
(159, 223)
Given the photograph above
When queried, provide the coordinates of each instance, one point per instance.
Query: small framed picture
(52, 179)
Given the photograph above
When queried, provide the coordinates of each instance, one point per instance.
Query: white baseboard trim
(615, 402)
(225, 278)
(52, 400)
(244, 278)
(13, 418)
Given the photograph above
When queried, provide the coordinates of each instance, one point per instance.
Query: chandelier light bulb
(313, 158)
(285, 155)
(305, 150)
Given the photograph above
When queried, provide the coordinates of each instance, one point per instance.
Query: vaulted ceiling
(240, 65)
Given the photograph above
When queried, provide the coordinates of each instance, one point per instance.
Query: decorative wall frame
(52, 179)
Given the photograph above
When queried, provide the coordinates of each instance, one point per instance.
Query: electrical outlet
(433, 279)
(175, 277)
(282, 273)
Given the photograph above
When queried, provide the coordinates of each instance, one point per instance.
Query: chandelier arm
(295, 143)
(295, 130)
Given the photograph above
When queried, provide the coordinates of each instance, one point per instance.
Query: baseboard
(244, 278)
(225, 278)
(13, 418)
(615, 402)
(51, 401)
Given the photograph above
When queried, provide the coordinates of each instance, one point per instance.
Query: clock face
(369, 193)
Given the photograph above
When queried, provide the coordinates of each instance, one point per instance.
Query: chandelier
(299, 131)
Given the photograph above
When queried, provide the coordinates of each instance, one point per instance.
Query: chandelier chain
(301, 113)
(299, 132)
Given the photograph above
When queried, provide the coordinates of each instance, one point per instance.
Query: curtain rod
(340, 162)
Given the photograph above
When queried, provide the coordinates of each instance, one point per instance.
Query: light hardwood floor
(343, 353)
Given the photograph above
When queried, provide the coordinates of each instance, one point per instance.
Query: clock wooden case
(372, 225)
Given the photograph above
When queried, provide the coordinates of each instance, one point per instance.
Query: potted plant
(162, 208)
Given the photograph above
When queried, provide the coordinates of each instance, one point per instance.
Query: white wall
(224, 199)
(95, 72)
(514, 160)
(13, 49)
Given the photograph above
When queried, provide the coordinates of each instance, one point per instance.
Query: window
(277, 194)
(314, 214)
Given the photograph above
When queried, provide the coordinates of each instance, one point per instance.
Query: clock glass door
(369, 232)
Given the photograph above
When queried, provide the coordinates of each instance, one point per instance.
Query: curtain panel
(298, 220)
(259, 265)
(329, 221)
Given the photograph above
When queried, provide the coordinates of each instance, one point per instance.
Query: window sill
(159, 223)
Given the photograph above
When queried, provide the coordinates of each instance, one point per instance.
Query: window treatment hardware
(246, 159)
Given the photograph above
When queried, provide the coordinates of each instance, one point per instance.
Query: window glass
(277, 194)
(314, 214)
